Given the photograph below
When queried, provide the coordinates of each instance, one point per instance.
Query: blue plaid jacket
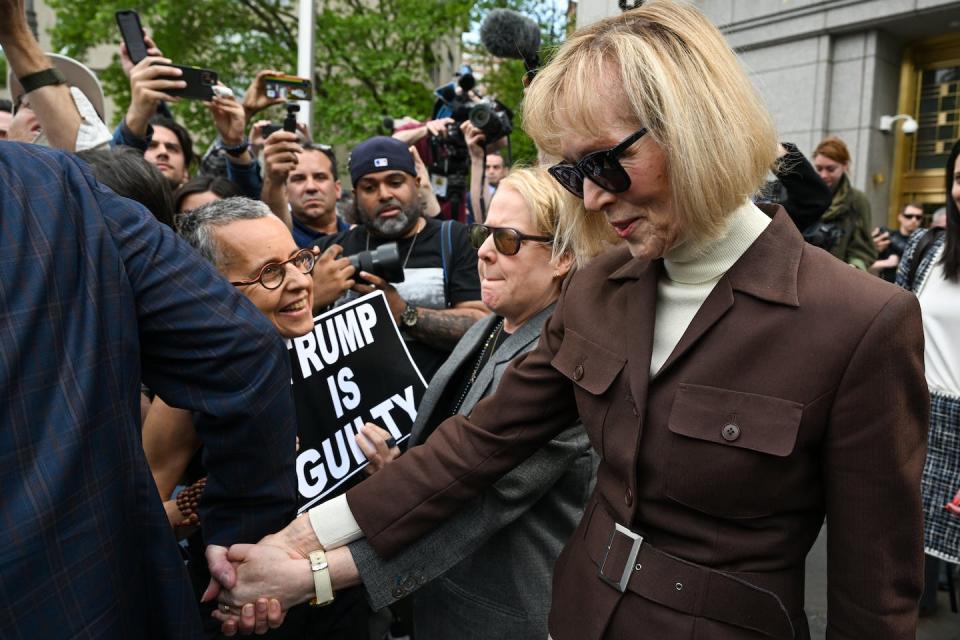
(95, 295)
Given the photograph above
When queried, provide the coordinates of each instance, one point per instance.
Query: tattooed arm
(444, 327)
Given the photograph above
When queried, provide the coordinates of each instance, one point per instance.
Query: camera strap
(446, 249)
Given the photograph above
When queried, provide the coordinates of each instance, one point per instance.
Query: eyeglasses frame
(612, 154)
(282, 265)
(491, 232)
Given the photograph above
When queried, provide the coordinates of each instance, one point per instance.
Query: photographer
(440, 296)
(891, 244)
(483, 164)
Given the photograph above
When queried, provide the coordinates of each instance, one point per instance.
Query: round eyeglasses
(271, 274)
(506, 240)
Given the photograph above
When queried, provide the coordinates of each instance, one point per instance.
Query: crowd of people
(646, 389)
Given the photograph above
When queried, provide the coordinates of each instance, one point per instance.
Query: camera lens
(383, 262)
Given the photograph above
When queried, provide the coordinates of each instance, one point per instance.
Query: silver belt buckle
(620, 583)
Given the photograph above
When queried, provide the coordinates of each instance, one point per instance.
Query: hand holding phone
(199, 82)
(287, 87)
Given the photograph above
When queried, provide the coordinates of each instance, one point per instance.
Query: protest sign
(351, 369)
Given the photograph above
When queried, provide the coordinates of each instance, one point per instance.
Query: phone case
(200, 83)
(288, 87)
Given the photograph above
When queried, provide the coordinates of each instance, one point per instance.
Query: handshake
(256, 584)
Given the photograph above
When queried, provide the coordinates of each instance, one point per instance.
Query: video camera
(459, 101)
(289, 123)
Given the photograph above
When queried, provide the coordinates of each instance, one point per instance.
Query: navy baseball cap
(380, 153)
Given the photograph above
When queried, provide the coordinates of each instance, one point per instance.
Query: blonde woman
(730, 409)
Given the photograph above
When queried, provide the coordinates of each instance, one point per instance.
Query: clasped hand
(256, 584)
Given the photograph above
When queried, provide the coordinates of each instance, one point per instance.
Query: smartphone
(269, 129)
(288, 87)
(200, 82)
(132, 32)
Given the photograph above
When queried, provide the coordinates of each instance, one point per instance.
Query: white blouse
(940, 306)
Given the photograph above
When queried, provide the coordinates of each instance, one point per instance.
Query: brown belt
(628, 563)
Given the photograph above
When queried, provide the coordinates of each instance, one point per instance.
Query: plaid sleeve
(206, 348)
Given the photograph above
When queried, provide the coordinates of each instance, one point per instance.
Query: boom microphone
(508, 34)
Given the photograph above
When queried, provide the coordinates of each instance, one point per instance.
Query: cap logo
(380, 162)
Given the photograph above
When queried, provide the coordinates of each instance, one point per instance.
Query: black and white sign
(352, 368)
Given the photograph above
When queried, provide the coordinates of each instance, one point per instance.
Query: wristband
(238, 150)
(321, 579)
(45, 78)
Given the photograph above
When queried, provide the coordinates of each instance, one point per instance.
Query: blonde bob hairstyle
(678, 77)
(557, 213)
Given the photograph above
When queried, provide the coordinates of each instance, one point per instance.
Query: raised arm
(53, 104)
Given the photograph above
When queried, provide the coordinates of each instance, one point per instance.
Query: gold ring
(225, 608)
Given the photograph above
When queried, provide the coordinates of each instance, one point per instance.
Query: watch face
(409, 316)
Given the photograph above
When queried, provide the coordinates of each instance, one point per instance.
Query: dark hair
(6, 106)
(124, 170)
(201, 184)
(951, 253)
(183, 136)
(327, 151)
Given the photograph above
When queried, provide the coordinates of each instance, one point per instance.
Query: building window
(938, 110)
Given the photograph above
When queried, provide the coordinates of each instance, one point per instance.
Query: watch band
(238, 150)
(45, 78)
(321, 579)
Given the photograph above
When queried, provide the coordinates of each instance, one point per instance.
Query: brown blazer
(797, 392)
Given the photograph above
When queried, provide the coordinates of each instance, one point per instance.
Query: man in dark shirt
(313, 188)
(890, 244)
(440, 296)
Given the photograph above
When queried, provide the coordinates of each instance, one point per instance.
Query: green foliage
(3, 71)
(372, 59)
(503, 79)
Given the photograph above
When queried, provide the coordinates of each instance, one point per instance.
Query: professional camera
(383, 262)
(451, 159)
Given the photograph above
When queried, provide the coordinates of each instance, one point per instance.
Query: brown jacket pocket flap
(745, 420)
(589, 365)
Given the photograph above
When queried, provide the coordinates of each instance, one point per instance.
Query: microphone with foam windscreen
(508, 34)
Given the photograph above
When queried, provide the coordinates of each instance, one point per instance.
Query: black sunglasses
(506, 240)
(272, 274)
(600, 167)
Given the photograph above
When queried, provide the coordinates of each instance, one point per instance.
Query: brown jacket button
(730, 432)
(578, 372)
(628, 497)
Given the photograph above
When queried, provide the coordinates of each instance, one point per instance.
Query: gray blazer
(486, 572)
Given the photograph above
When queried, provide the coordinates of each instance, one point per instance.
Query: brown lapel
(637, 325)
(768, 271)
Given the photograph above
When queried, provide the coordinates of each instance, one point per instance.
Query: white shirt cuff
(334, 524)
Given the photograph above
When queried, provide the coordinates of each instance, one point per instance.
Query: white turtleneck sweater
(690, 273)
